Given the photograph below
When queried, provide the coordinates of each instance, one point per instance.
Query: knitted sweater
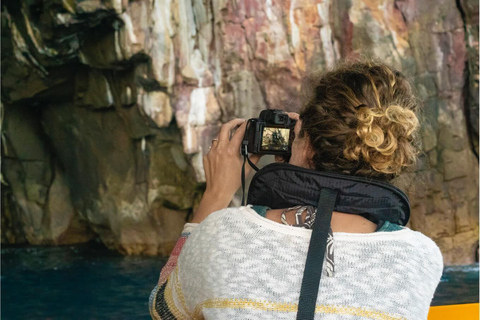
(239, 265)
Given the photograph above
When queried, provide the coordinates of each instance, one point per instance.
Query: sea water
(89, 281)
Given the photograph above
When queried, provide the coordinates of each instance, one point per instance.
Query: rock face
(109, 105)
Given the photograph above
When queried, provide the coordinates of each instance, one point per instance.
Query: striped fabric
(162, 303)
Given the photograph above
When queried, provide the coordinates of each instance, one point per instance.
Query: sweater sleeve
(166, 300)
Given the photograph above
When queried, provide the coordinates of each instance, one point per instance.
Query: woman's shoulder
(421, 240)
(226, 218)
(413, 239)
(222, 214)
(235, 219)
(427, 252)
(242, 227)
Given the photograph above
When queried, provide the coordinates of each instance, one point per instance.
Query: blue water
(459, 284)
(90, 282)
(76, 282)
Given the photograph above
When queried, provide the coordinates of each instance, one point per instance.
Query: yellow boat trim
(456, 311)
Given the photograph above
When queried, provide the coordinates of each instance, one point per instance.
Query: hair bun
(360, 119)
(383, 138)
(403, 117)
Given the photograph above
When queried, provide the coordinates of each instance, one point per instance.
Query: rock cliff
(108, 106)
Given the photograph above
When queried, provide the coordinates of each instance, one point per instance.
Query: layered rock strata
(109, 106)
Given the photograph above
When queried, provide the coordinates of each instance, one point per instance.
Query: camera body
(270, 133)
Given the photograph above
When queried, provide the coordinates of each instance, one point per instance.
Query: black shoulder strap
(315, 255)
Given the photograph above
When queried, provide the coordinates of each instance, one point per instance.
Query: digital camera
(270, 133)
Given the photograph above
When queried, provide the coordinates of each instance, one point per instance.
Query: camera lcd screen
(275, 139)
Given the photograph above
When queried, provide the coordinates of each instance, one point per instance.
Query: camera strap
(245, 159)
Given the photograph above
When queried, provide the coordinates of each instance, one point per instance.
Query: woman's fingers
(237, 138)
(224, 135)
(214, 143)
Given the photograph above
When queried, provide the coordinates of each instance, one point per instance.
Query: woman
(247, 263)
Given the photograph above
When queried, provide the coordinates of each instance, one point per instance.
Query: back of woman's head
(361, 120)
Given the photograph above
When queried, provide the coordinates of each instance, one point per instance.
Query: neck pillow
(281, 185)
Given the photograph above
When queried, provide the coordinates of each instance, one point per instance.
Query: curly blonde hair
(361, 120)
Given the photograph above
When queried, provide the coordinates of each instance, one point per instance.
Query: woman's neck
(341, 222)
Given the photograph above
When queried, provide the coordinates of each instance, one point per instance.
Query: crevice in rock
(396, 7)
(472, 134)
(462, 12)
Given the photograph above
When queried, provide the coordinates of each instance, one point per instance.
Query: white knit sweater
(239, 265)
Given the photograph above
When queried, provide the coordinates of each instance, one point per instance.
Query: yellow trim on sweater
(171, 303)
(291, 307)
(178, 291)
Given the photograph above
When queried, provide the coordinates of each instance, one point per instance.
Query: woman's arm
(223, 167)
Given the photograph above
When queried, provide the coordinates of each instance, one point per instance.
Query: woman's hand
(223, 168)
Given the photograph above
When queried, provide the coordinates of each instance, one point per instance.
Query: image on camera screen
(275, 139)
